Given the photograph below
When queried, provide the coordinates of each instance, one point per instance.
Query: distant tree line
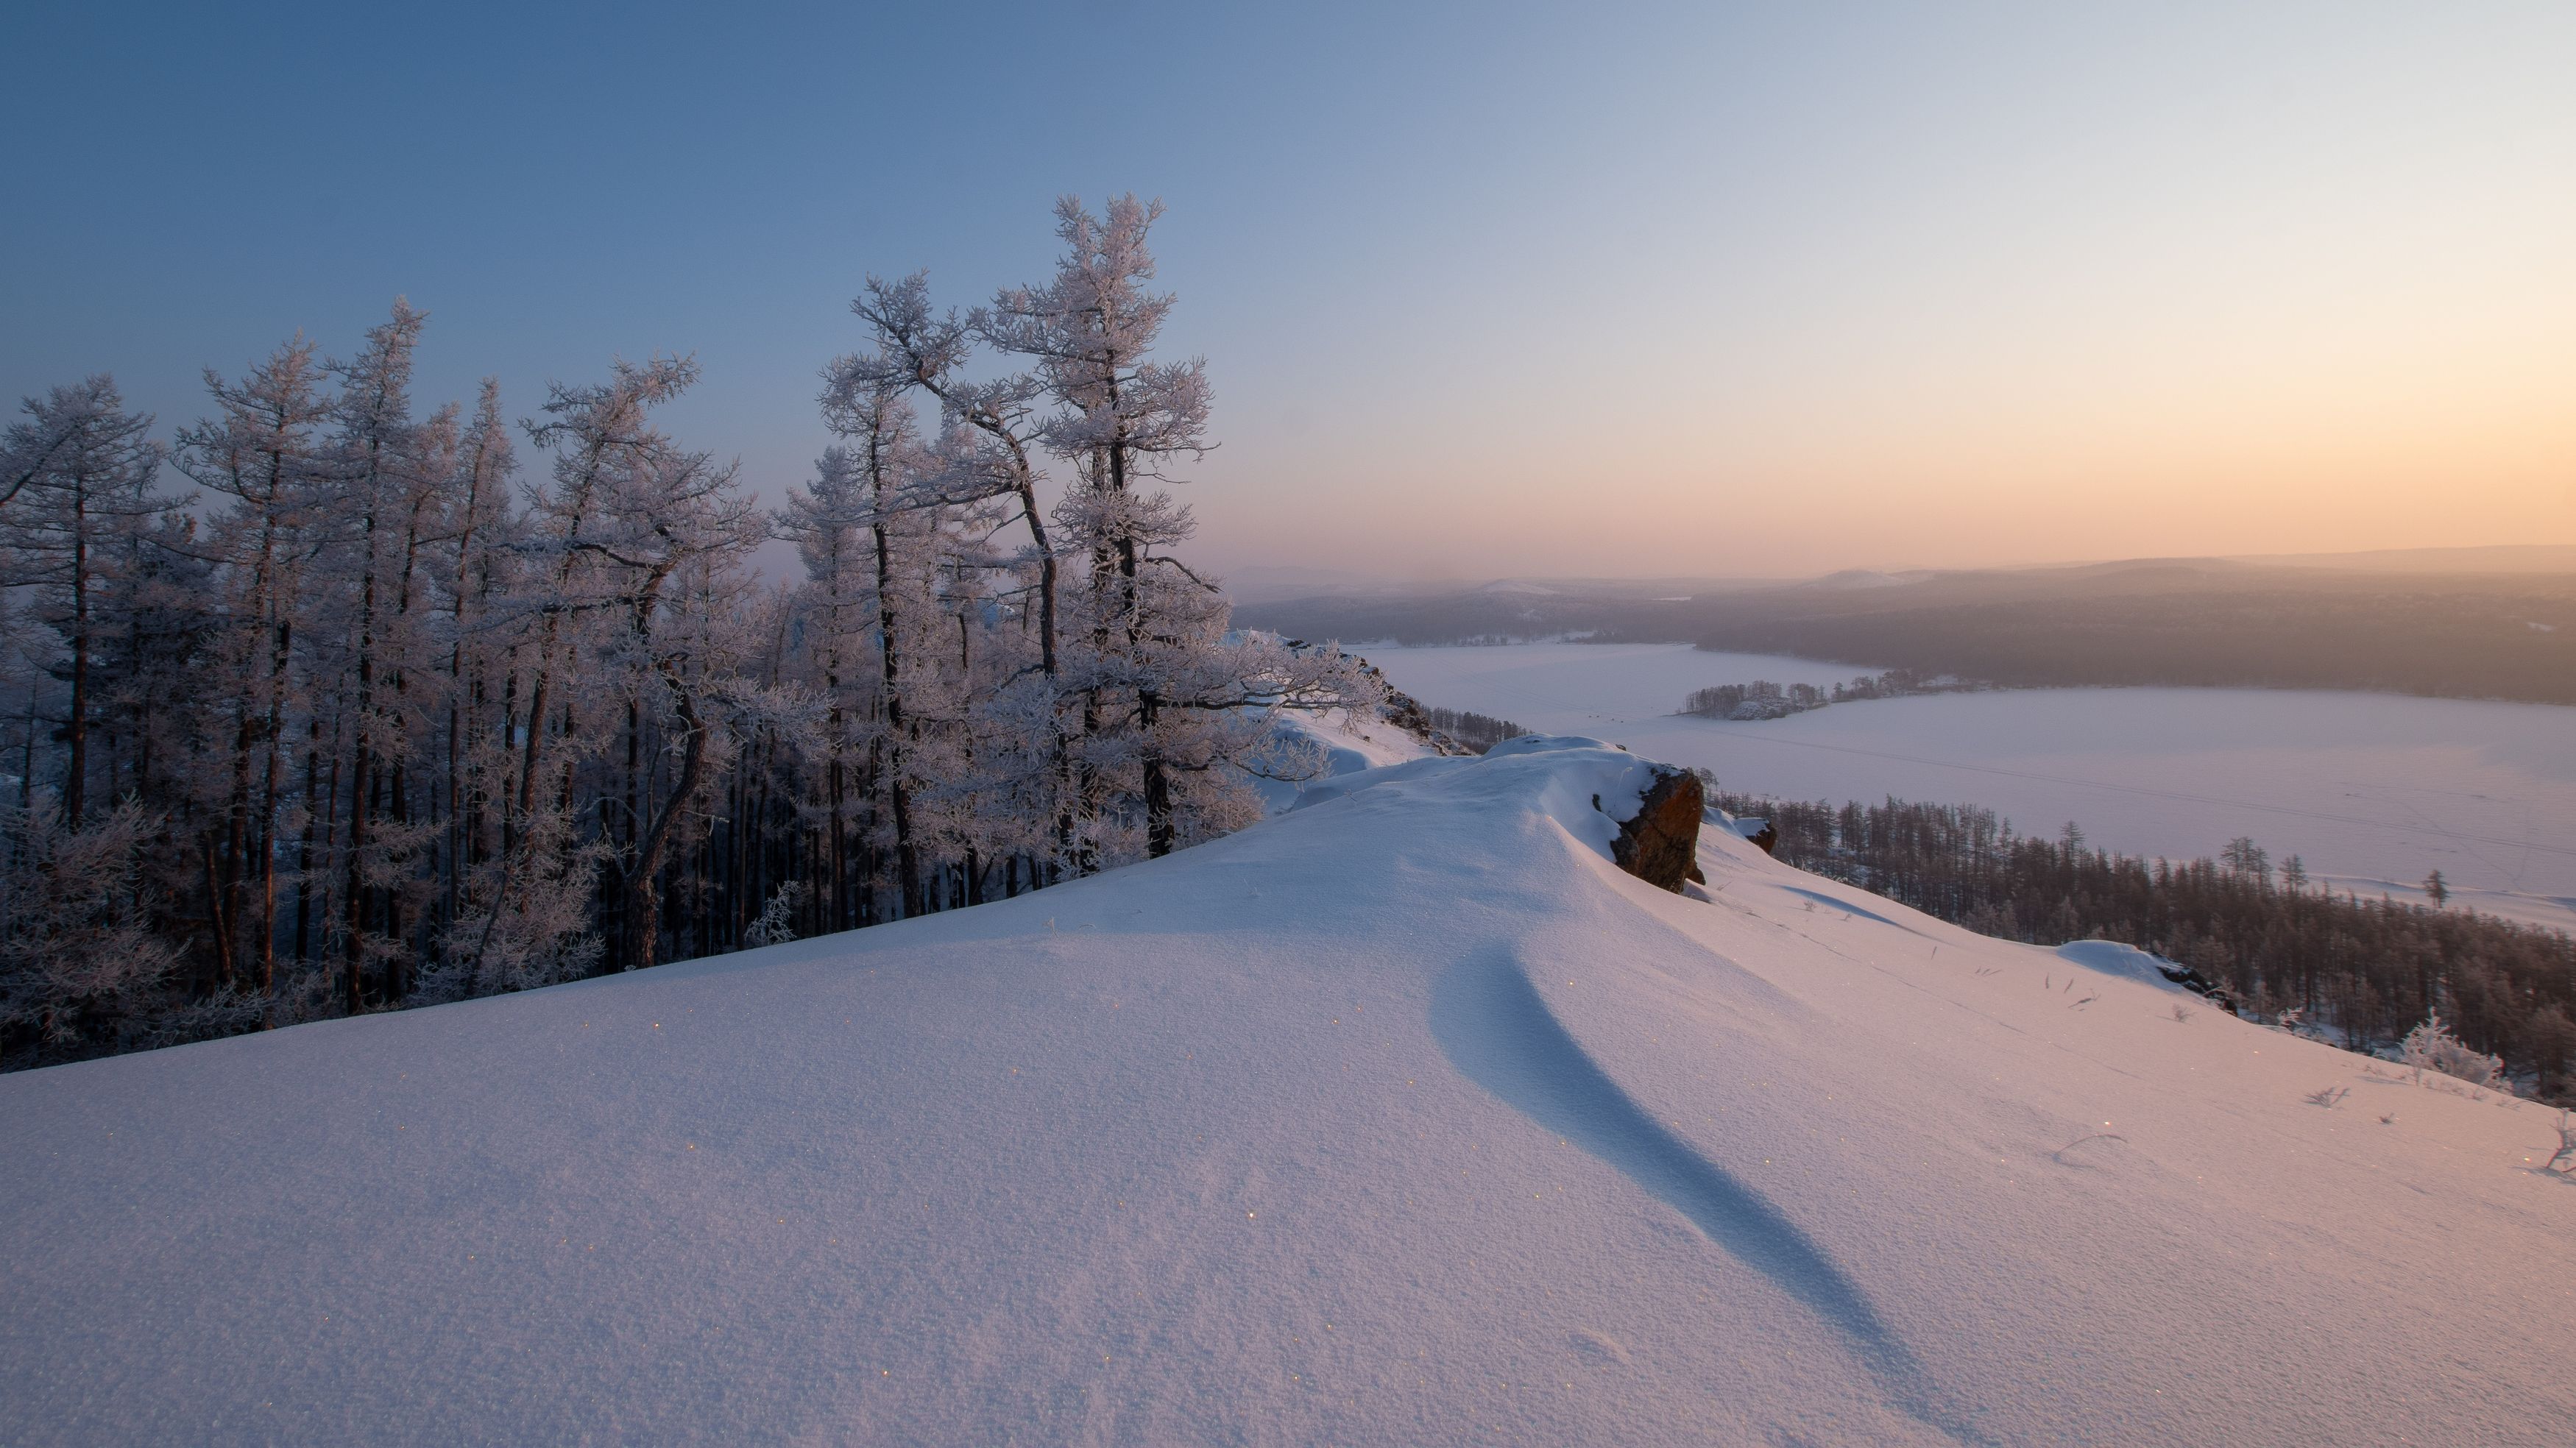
(2370, 969)
(1478, 732)
(370, 719)
(1760, 699)
(1763, 699)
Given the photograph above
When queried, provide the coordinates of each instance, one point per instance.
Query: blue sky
(1482, 289)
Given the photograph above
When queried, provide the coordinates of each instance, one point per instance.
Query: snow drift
(1402, 1118)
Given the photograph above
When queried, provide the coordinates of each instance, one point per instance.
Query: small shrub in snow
(2564, 1163)
(2182, 1013)
(2432, 1047)
(79, 965)
(2329, 1097)
(775, 925)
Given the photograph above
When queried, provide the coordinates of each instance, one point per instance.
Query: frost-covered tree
(263, 451)
(389, 474)
(383, 722)
(71, 539)
(1087, 334)
(79, 961)
(991, 444)
(530, 920)
(828, 522)
(475, 571)
(679, 530)
(2431, 1046)
(2247, 860)
(886, 466)
(1167, 694)
(37, 442)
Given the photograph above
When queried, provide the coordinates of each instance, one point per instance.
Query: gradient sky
(1757, 289)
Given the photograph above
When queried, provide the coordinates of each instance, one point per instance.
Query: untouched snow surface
(1401, 1118)
(1350, 744)
(2369, 789)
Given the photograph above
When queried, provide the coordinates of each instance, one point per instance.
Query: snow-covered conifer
(263, 452)
(1162, 672)
(386, 725)
(70, 536)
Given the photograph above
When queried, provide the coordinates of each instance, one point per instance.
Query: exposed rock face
(1760, 833)
(2192, 980)
(1660, 844)
(1406, 713)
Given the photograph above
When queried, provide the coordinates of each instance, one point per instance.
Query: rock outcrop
(1759, 833)
(2192, 980)
(1406, 713)
(1660, 843)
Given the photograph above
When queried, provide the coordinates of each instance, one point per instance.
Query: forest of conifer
(324, 705)
(2366, 970)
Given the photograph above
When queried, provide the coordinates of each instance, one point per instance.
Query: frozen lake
(2371, 790)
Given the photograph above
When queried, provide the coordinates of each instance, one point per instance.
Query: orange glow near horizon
(2113, 290)
(2121, 425)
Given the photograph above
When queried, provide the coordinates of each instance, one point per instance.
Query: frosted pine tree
(865, 406)
(533, 901)
(70, 537)
(1173, 706)
(828, 520)
(984, 485)
(475, 570)
(388, 474)
(79, 962)
(261, 450)
(395, 730)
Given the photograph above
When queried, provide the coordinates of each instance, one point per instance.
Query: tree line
(1763, 699)
(367, 712)
(1472, 731)
(2285, 946)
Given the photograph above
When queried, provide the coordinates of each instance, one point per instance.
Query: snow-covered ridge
(1401, 1117)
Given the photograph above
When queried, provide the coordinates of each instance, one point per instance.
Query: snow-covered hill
(1404, 1118)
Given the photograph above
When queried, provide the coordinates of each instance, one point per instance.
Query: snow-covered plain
(1401, 1118)
(2373, 791)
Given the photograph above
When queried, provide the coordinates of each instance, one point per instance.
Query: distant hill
(2186, 621)
(2495, 558)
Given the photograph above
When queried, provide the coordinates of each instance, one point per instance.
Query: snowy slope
(1401, 1118)
(1351, 744)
